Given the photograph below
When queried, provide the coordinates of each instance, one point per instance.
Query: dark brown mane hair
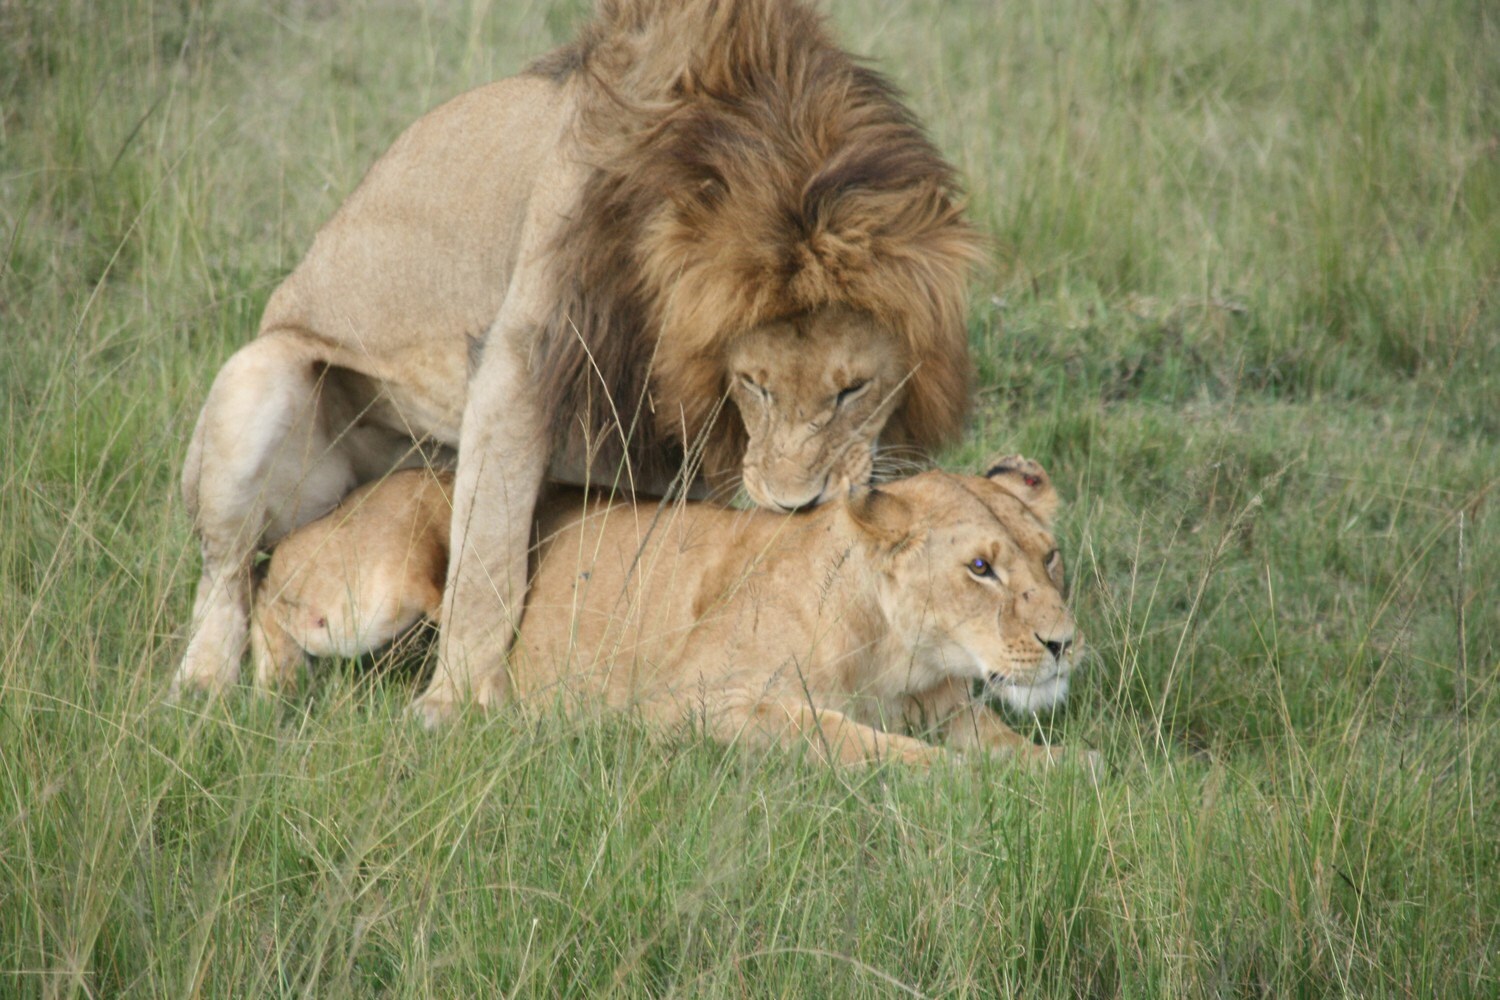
(745, 169)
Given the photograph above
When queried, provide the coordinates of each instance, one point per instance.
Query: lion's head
(971, 579)
(813, 393)
(769, 258)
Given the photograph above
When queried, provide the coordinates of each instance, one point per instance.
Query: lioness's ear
(1028, 482)
(880, 514)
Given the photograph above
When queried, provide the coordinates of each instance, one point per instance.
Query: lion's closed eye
(852, 392)
(754, 388)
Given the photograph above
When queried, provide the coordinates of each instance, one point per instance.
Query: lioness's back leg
(276, 655)
(262, 461)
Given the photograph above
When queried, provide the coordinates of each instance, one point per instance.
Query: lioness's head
(971, 579)
(813, 393)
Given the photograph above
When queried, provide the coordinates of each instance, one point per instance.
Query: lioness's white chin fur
(1034, 697)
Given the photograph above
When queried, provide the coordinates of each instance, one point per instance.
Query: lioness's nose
(1056, 647)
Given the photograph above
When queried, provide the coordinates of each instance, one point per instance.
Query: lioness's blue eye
(980, 567)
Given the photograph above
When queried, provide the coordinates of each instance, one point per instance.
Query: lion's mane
(745, 169)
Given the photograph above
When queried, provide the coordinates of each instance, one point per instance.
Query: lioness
(850, 627)
(695, 207)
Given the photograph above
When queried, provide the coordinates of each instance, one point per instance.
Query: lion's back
(415, 264)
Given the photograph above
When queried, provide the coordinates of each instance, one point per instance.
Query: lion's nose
(1057, 647)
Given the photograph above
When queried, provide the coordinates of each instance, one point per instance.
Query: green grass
(1244, 307)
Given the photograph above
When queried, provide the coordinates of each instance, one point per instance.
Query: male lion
(566, 275)
(849, 627)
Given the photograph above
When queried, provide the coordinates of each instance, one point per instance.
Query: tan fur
(700, 233)
(356, 578)
(859, 628)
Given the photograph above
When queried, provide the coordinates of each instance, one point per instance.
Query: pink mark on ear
(1031, 480)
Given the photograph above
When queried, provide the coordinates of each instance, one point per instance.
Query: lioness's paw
(1091, 762)
(923, 757)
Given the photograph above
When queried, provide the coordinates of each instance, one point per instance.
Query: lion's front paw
(208, 682)
(492, 690)
(434, 710)
(445, 701)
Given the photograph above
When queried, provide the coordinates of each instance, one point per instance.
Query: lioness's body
(696, 207)
(853, 626)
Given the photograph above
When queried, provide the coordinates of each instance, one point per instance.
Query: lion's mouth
(779, 500)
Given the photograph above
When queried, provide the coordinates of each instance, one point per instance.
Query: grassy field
(1244, 307)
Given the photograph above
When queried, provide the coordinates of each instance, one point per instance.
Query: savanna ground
(1243, 305)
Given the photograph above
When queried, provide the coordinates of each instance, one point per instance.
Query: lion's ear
(1028, 482)
(881, 515)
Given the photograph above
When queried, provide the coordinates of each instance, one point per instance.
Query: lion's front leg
(503, 455)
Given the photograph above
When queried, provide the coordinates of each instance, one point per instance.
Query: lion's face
(813, 393)
(973, 581)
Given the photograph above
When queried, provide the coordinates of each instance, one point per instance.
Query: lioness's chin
(1033, 697)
